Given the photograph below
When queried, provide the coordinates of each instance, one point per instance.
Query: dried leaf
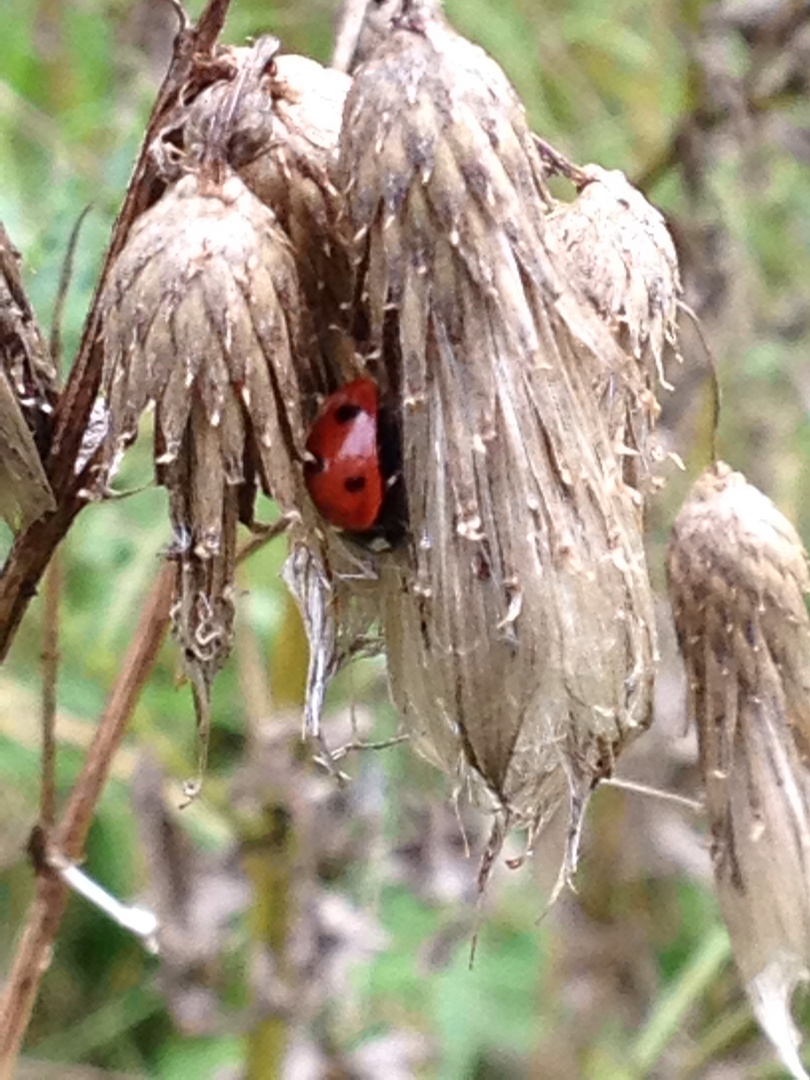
(518, 620)
(738, 579)
(27, 395)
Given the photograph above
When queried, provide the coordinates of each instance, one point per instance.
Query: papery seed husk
(617, 250)
(518, 619)
(738, 581)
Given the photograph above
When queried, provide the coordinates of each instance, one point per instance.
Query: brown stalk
(34, 547)
(68, 838)
(45, 915)
(50, 671)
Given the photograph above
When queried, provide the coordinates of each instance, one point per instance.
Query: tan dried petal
(616, 249)
(518, 619)
(738, 580)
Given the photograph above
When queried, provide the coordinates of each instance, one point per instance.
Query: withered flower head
(283, 139)
(518, 619)
(202, 318)
(738, 580)
(617, 250)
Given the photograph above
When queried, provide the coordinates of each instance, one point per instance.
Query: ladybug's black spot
(345, 413)
(354, 483)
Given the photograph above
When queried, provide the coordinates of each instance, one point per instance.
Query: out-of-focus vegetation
(706, 105)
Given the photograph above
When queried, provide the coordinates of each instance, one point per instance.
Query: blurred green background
(347, 916)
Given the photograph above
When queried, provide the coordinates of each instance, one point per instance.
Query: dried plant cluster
(315, 227)
(738, 580)
(299, 228)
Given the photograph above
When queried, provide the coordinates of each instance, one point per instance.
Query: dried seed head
(27, 395)
(617, 250)
(202, 317)
(518, 619)
(283, 137)
(738, 580)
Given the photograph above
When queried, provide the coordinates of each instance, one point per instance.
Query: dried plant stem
(50, 670)
(349, 26)
(55, 341)
(45, 915)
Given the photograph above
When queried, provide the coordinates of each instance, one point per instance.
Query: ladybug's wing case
(519, 620)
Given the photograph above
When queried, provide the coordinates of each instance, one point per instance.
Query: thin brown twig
(32, 552)
(45, 914)
(55, 341)
(50, 670)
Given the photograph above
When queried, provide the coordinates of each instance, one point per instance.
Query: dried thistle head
(27, 395)
(202, 318)
(617, 250)
(518, 618)
(738, 581)
(282, 140)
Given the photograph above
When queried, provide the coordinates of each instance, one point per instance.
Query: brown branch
(50, 671)
(68, 839)
(45, 914)
(34, 547)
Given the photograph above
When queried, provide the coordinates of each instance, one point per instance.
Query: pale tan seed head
(518, 617)
(738, 582)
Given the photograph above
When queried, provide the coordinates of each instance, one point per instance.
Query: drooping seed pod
(518, 619)
(27, 395)
(282, 119)
(738, 580)
(283, 142)
(617, 250)
(202, 318)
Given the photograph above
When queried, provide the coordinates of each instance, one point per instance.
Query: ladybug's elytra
(343, 473)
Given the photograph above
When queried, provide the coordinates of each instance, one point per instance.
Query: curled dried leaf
(738, 580)
(518, 619)
(27, 396)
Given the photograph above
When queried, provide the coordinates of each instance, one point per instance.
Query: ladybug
(343, 473)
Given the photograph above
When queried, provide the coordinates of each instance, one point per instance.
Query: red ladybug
(343, 472)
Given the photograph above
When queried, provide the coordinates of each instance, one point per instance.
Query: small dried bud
(202, 317)
(27, 395)
(738, 580)
(283, 141)
(518, 618)
(616, 249)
